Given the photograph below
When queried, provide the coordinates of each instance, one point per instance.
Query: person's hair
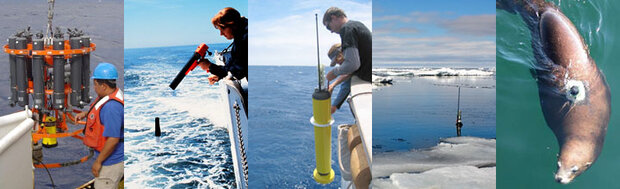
(333, 49)
(109, 82)
(332, 11)
(227, 17)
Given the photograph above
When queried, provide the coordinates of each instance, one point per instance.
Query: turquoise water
(527, 148)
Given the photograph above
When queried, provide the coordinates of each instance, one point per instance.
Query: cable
(339, 151)
(48, 172)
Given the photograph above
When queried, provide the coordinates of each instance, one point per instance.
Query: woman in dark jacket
(232, 26)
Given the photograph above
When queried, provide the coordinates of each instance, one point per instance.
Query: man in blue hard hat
(104, 127)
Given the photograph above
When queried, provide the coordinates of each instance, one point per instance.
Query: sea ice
(420, 72)
(471, 159)
(445, 177)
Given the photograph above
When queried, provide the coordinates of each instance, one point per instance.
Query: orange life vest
(93, 132)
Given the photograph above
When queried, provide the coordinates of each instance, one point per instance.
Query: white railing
(16, 170)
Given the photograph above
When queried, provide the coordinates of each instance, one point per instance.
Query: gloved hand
(204, 64)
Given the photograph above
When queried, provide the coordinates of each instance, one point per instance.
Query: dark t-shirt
(355, 34)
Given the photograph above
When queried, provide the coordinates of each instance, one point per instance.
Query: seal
(574, 96)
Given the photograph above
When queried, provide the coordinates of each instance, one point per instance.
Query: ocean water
(527, 148)
(421, 106)
(194, 149)
(281, 141)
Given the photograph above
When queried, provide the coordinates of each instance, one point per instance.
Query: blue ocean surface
(281, 140)
(420, 107)
(194, 149)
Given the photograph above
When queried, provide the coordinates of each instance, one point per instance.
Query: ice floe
(457, 162)
(420, 72)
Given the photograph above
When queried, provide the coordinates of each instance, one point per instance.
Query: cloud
(432, 50)
(435, 38)
(408, 30)
(478, 25)
(412, 17)
(390, 31)
(290, 39)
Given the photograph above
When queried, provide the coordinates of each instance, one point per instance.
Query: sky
(436, 33)
(413, 32)
(284, 32)
(174, 23)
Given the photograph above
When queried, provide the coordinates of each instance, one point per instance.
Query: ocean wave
(194, 149)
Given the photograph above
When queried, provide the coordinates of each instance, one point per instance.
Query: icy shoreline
(457, 162)
(421, 72)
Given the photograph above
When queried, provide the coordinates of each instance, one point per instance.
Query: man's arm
(351, 62)
(107, 150)
(340, 79)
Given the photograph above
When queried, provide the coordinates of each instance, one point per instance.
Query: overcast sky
(173, 23)
(441, 33)
(283, 32)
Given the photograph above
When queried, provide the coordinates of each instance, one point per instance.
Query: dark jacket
(238, 62)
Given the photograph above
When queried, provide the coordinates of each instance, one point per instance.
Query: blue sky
(438, 33)
(172, 23)
(283, 32)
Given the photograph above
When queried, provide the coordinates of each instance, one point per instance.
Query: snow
(458, 162)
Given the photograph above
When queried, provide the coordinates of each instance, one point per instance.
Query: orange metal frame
(49, 51)
(61, 119)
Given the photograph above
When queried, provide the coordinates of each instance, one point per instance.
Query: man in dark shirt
(356, 42)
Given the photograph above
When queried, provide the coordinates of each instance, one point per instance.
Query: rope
(362, 93)
(241, 145)
(50, 16)
(226, 49)
(58, 165)
(48, 172)
(339, 153)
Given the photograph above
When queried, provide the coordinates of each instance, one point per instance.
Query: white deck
(361, 107)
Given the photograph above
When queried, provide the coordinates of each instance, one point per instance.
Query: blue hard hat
(105, 71)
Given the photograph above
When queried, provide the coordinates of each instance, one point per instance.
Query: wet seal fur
(574, 95)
